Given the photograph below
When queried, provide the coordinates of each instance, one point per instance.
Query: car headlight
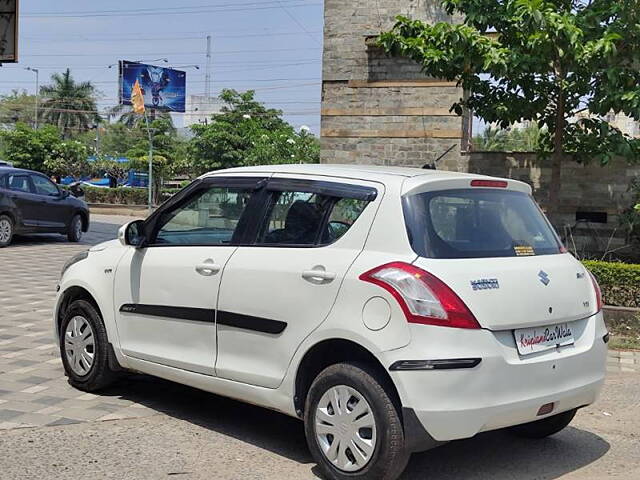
(73, 260)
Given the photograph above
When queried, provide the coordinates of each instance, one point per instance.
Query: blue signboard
(163, 88)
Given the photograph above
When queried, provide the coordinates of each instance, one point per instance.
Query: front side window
(19, 183)
(209, 218)
(44, 186)
(477, 223)
(307, 219)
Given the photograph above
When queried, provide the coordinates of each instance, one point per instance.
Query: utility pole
(37, 72)
(207, 76)
(150, 177)
(98, 140)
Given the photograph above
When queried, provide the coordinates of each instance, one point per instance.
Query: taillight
(596, 287)
(489, 183)
(423, 297)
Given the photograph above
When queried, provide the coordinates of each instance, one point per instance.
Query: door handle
(318, 275)
(208, 268)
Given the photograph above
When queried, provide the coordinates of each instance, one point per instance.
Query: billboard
(163, 88)
(8, 31)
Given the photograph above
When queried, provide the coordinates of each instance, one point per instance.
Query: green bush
(119, 196)
(123, 195)
(620, 282)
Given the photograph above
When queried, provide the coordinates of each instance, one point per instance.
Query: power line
(299, 23)
(167, 38)
(228, 63)
(160, 9)
(181, 52)
(156, 12)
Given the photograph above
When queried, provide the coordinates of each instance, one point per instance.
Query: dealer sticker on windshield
(539, 339)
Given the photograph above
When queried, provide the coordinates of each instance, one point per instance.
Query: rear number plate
(539, 339)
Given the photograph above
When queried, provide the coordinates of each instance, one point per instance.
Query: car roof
(361, 172)
(8, 169)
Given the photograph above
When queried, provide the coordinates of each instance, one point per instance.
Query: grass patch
(624, 334)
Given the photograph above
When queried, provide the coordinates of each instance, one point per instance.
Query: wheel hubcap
(79, 344)
(345, 428)
(5, 230)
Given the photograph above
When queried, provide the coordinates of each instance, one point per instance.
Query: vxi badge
(485, 284)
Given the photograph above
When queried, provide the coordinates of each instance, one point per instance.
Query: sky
(271, 46)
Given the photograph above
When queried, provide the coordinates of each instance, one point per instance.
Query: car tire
(6, 231)
(385, 456)
(75, 229)
(84, 348)
(545, 427)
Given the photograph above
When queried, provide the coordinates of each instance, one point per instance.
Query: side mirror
(132, 233)
(65, 194)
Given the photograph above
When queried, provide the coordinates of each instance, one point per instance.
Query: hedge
(123, 195)
(119, 195)
(620, 282)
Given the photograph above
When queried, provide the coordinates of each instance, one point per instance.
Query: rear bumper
(504, 389)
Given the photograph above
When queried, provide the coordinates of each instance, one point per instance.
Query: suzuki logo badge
(544, 277)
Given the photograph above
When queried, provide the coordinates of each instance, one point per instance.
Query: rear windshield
(477, 223)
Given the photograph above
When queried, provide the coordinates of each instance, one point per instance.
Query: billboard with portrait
(8, 31)
(163, 88)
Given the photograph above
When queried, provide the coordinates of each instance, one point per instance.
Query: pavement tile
(35, 389)
(49, 410)
(45, 400)
(63, 421)
(7, 414)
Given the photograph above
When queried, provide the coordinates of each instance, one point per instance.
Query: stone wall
(586, 189)
(382, 110)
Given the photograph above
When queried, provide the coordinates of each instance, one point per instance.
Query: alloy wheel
(345, 428)
(78, 228)
(5, 230)
(79, 345)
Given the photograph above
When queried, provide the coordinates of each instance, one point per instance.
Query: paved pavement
(149, 428)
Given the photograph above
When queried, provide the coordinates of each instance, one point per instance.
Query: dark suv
(31, 203)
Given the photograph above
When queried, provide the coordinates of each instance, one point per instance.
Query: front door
(54, 212)
(278, 290)
(165, 293)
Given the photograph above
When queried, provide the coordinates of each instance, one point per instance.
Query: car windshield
(477, 223)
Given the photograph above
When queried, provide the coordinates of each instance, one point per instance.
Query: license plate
(539, 339)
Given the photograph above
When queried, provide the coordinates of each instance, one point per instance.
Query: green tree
(115, 139)
(28, 148)
(166, 150)
(520, 139)
(126, 116)
(69, 105)
(18, 106)
(541, 61)
(162, 168)
(245, 132)
(164, 138)
(68, 158)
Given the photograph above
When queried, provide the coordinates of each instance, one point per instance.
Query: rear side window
(19, 183)
(477, 223)
(308, 219)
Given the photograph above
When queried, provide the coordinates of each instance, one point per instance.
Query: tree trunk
(557, 154)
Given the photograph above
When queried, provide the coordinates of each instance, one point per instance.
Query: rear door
(497, 251)
(22, 194)
(275, 292)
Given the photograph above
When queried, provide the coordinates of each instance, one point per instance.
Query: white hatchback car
(392, 309)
